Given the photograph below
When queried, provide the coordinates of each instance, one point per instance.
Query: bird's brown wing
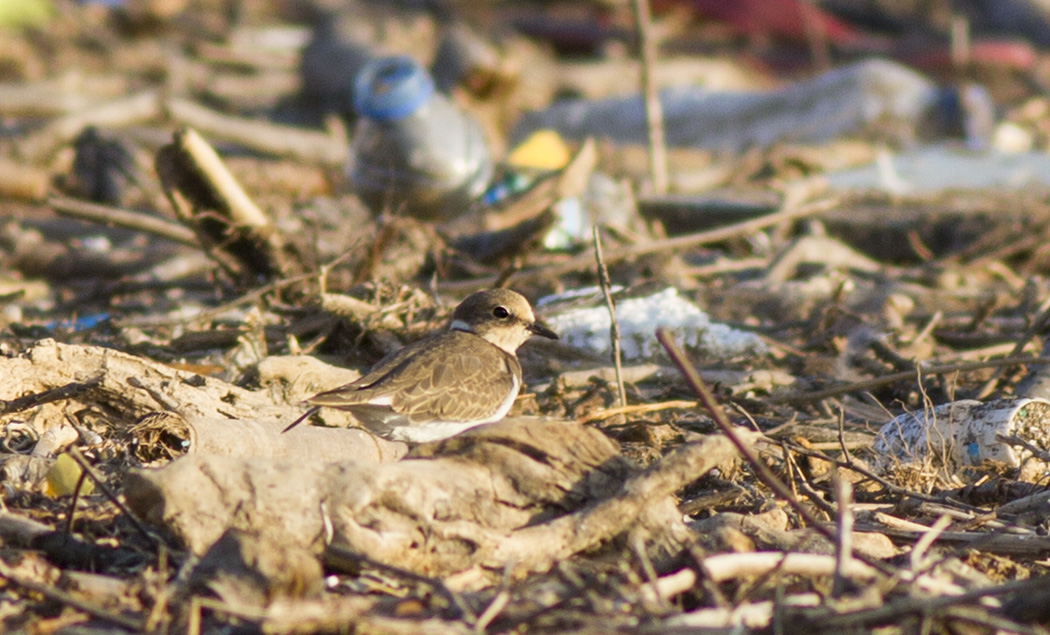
(457, 385)
(359, 391)
(442, 378)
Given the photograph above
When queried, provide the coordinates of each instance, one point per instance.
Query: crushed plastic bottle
(604, 201)
(967, 435)
(587, 326)
(875, 96)
(413, 151)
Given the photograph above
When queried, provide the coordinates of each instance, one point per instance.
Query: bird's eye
(501, 312)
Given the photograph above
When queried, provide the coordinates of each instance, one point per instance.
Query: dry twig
(115, 217)
(654, 112)
(614, 326)
(893, 378)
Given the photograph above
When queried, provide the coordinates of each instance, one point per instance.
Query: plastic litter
(874, 96)
(603, 201)
(542, 150)
(966, 435)
(78, 324)
(932, 169)
(413, 150)
(638, 319)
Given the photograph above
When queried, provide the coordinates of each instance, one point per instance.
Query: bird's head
(500, 316)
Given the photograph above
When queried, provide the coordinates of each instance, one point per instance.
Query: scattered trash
(874, 96)
(541, 153)
(192, 337)
(965, 435)
(937, 168)
(413, 150)
(638, 319)
(78, 324)
(542, 150)
(63, 476)
(603, 200)
(16, 14)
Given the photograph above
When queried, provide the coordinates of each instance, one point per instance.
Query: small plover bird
(444, 384)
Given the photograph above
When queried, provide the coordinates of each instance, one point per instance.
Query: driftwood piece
(130, 385)
(522, 493)
(199, 497)
(209, 200)
(211, 415)
(498, 486)
(262, 438)
(646, 497)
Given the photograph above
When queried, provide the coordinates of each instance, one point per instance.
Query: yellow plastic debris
(542, 150)
(16, 14)
(63, 476)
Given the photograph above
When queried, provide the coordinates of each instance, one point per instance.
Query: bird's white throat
(506, 336)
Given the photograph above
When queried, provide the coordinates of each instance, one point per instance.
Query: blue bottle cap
(391, 88)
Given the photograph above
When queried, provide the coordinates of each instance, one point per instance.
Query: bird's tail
(304, 416)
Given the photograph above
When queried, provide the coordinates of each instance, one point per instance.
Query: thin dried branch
(119, 112)
(614, 326)
(66, 391)
(133, 624)
(654, 112)
(892, 378)
(269, 138)
(115, 217)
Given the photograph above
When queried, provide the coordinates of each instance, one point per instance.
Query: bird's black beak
(540, 329)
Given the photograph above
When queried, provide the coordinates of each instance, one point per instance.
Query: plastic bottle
(870, 98)
(413, 151)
